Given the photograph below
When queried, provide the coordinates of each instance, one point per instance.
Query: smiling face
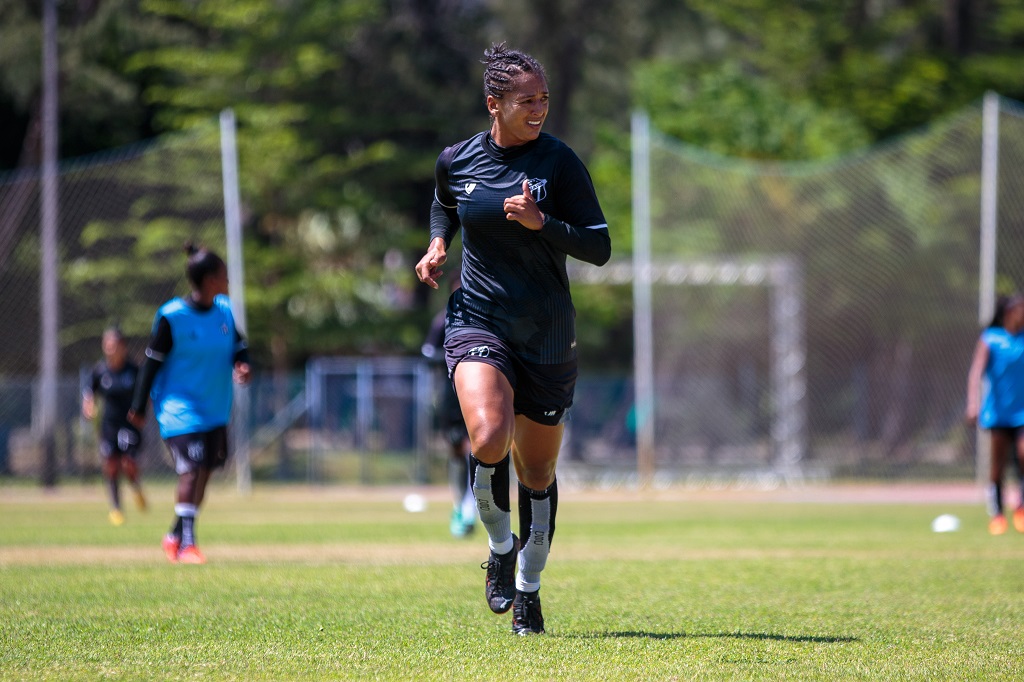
(517, 118)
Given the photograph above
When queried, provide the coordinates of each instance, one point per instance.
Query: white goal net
(867, 378)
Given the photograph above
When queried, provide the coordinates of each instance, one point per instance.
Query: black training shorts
(543, 393)
(117, 440)
(191, 451)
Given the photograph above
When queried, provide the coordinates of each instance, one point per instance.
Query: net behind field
(881, 248)
(887, 246)
(124, 217)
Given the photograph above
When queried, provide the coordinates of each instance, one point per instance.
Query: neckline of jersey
(495, 151)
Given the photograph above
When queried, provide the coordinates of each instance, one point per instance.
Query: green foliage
(344, 105)
(335, 181)
(100, 98)
(733, 113)
(123, 268)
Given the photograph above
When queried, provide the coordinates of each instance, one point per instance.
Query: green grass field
(325, 584)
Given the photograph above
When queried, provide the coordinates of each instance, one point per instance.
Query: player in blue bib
(194, 356)
(995, 401)
(523, 202)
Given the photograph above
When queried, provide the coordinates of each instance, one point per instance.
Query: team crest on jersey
(539, 189)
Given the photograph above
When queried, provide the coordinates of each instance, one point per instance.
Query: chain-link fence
(123, 219)
(858, 370)
(807, 318)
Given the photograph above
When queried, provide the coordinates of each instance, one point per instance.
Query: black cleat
(526, 616)
(500, 586)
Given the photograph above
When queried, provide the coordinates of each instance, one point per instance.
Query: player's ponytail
(202, 263)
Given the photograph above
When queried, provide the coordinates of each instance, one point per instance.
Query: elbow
(603, 254)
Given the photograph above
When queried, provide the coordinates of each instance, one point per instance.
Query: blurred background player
(995, 402)
(113, 381)
(193, 355)
(463, 519)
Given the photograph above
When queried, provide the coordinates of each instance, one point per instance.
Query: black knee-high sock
(1020, 483)
(187, 516)
(490, 487)
(995, 498)
(115, 492)
(537, 510)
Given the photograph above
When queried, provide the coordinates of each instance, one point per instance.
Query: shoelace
(493, 568)
(523, 611)
(494, 577)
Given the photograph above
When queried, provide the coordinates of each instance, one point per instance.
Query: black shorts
(1013, 432)
(543, 393)
(191, 451)
(450, 416)
(118, 439)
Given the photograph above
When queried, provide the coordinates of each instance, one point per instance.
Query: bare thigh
(486, 401)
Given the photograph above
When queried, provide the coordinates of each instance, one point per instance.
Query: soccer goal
(683, 414)
(817, 319)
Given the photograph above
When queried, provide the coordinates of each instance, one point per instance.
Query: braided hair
(202, 263)
(503, 66)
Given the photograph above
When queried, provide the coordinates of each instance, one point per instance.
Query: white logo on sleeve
(470, 186)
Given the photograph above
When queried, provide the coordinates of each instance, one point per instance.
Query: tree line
(343, 106)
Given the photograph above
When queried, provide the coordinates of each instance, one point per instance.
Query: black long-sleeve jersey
(116, 387)
(514, 281)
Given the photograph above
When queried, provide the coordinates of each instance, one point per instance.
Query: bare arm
(974, 376)
(88, 405)
(429, 267)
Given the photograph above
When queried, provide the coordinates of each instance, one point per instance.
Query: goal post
(868, 277)
(783, 278)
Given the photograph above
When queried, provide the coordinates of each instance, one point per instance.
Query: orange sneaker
(997, 526)
(116, 517)
(170, 545)
(1018, 519)
(191, 555)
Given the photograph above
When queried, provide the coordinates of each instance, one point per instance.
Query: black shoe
(500, 586)
(526, 616)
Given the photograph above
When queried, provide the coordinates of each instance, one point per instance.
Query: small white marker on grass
(414, 503)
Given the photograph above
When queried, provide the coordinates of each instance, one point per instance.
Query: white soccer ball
(414, 503)
(946, 523)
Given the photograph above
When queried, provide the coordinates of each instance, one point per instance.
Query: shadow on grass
(816, 639)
